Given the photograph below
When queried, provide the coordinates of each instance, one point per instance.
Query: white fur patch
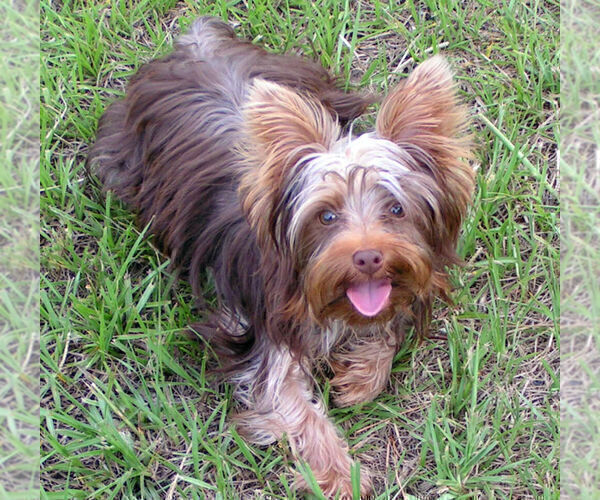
(384, 164)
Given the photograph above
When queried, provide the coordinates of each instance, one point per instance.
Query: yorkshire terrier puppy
(323, 247)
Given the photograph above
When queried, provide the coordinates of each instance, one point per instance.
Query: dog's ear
(282, 128)
(424, 111)
(283, 125)
(423, 115)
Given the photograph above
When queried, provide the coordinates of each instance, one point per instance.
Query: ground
(580, 252)
(128, 410)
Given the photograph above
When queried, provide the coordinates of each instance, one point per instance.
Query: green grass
(127, 408)
(580, 255)
(19, 256)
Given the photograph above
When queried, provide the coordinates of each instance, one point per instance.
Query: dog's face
(359, 231)
(366, 225)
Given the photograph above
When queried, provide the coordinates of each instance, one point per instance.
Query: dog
(323, 247)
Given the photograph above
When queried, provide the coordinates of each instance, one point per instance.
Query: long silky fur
(169, 149)
(229, 154)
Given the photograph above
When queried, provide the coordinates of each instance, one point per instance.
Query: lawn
(19, 257)
(128, 408)
(580, 251)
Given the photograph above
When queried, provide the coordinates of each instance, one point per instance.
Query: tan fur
(424, 112)
(287, 406)
(284, 127)
(362, 370)
(328, 274)
(231, 156)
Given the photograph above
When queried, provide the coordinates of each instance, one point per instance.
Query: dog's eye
(327, 217)
(396, 209)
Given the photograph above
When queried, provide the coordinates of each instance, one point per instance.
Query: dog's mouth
(370, 297)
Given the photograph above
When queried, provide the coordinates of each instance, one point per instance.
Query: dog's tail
(205, 36)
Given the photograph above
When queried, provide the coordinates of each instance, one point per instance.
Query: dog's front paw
(361, 372)
(353, 385)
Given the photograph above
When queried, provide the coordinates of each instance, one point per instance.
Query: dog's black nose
(368, 261)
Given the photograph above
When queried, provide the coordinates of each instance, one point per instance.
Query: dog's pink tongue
(370, 297)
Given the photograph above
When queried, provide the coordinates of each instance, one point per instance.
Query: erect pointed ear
(423, 115)
(425, 103)
(424, 111)
(283, 125)
(282, 128)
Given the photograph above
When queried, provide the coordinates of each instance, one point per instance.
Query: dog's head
(358, 229)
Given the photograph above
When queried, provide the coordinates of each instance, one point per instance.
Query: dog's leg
(283, 402)
(361, 370)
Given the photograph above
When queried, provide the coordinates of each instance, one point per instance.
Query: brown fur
(361, 369)
(213, 146)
